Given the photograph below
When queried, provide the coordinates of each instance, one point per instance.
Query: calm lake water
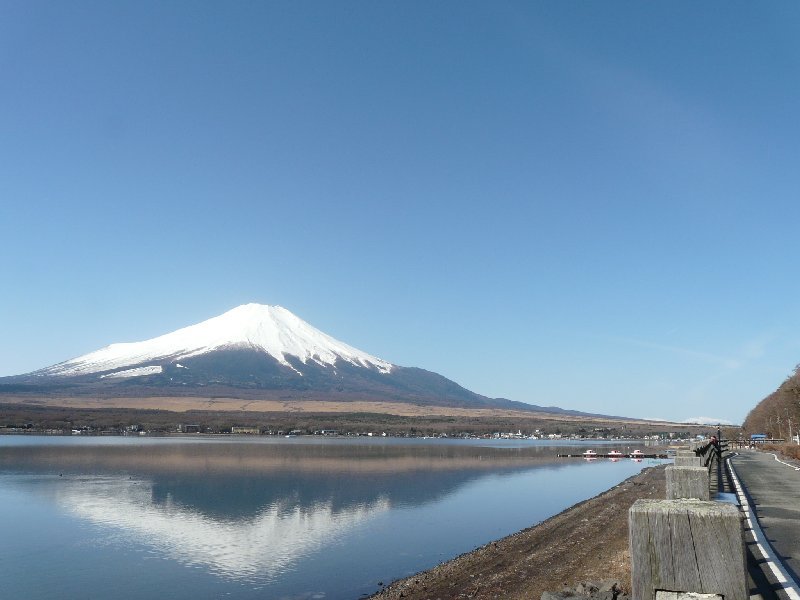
(280, 518)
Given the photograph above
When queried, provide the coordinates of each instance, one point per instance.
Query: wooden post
(687, 546)
(687, 482)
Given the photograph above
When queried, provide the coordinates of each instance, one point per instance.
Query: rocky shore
(581, 552)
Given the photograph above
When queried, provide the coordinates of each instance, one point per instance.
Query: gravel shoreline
(586, 542)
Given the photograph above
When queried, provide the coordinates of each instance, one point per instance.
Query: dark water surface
(267, 518)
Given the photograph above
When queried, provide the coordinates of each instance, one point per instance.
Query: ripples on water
(293, 519)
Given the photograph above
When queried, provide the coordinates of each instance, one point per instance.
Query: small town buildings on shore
(188, 428)
(246, 430)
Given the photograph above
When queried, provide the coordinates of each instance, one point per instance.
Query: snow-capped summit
(269, 329)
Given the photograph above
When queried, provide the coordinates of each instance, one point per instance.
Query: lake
(302, 518)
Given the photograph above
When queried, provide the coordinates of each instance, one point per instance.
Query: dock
(613, 456)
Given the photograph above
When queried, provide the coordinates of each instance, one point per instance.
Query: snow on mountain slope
(271, 329)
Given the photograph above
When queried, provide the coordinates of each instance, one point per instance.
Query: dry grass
(299, 407)
(787, 450)
(189, 403)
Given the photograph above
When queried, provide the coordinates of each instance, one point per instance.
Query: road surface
(774, 490)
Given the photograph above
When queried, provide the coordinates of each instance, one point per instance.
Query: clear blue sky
(585, 204)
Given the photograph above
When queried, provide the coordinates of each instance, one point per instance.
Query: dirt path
(587, 542)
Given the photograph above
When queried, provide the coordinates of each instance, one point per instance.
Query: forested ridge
(778, 415)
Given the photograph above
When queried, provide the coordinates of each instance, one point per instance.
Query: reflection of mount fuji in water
(250, 511)
(255, 548)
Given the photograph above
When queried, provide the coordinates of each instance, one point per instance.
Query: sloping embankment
(588, 541)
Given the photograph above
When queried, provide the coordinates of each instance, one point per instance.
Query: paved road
(774, 489)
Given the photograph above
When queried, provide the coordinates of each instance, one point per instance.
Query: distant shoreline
(214, 415)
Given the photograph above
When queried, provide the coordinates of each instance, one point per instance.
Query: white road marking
(785, 463)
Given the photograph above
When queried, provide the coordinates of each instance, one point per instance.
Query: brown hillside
(779, 413)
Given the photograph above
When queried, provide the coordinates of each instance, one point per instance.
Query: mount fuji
(252, 351)
(270, 331)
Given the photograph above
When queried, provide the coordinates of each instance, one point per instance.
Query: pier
(628, 455)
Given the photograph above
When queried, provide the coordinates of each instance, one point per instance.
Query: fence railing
(712, 455)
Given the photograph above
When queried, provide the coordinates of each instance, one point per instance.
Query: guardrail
(711, 454)
(688, 543)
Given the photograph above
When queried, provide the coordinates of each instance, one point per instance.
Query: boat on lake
(615, 454)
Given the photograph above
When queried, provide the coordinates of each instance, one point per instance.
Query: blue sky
(589, 205)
